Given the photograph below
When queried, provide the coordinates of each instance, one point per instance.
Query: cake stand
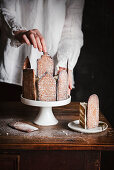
(45, 116)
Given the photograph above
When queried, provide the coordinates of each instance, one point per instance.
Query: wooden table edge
(56, 146)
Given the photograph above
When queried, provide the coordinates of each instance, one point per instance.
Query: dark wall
(94, 70)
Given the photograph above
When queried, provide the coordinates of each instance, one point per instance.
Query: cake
(45, 64)
(62, 85)
(83, 114)
(45, 86)
(89, 112)
(29, 89)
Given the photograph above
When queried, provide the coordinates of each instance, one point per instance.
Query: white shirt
(59, 21)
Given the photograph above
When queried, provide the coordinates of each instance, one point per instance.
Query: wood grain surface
(58, 137)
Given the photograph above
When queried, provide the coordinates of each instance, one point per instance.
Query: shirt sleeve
(8, 20)
(72, 36)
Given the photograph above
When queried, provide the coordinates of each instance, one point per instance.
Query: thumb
(70, 79)
(68, 92)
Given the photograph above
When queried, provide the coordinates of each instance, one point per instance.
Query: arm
(72, 37)
(15, 31)
(8, 20)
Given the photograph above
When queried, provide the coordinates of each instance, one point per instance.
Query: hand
(69, 79)
(31, 37)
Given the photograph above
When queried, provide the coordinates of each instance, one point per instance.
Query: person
(29, 28)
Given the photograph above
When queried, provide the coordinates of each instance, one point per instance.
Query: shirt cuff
(14, 42)
(61, 63)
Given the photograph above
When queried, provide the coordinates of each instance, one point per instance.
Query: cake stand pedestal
(45, 116)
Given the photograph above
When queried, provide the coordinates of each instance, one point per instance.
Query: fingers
(39, 46)
(43, 45)
(69, 81)
(69, 91)
(41, 40)
(32, 37)
(70, 85)
(33, 40)
(29, 38)
(36, 40)
(26, 39)
(62, 68)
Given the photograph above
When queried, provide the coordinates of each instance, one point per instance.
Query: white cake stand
(45, 116)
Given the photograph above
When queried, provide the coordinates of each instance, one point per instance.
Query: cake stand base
(45, 116)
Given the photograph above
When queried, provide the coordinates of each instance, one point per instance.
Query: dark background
(94, 69)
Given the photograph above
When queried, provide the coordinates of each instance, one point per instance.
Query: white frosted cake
(45, 86)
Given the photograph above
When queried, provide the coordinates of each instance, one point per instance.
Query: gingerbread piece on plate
(62, 85)
(93, 111)
(89, 113)
(47, 88)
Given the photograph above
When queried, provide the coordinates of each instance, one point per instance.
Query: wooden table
(52, 147)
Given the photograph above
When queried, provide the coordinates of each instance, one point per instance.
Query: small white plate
(77, 127)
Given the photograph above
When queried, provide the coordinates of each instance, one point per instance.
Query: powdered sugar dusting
(41, 134)
(23, 126)
(93, 111)
(47, 88)
(62, 86)
(45, 64)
